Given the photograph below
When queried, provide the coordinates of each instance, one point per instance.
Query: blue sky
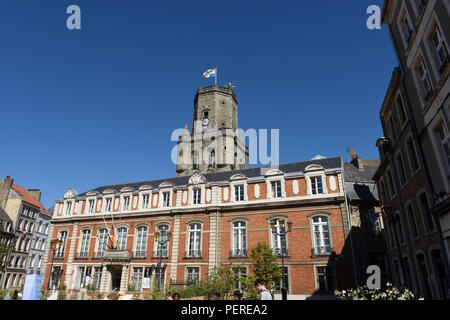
(97, 106)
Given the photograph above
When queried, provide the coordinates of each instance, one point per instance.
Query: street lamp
(54, 245)
(273, 225)
(162, 237)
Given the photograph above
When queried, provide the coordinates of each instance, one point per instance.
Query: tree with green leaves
(265, 266)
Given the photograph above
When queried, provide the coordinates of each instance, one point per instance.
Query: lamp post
(273, 225)
(162, 237)
(54, 245)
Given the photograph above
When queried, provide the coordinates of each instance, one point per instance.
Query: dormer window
(166, 199)
(145, 201)
(68, 208)
(126, 203)
(239, 192)
(316, 185)
(91, 206)
(108, 204)
(276, 189)
(197, 196)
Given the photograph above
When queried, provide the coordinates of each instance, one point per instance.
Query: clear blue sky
(93, 107)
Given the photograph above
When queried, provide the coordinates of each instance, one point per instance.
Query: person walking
(264, 294)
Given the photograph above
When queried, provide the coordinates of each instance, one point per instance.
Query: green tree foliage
(265, 266)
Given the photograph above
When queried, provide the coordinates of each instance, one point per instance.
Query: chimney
(35, 193)
(355, 160)
(4, 190)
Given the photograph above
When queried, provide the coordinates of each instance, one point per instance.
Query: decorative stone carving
(184, 197)
(196, 179)
(295, 188)
(332, 180)
(155, 199)
(70, 193)
(225, 194)
(257, 191)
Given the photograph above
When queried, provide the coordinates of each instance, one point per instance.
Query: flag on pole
(210, 73)
(114, 239)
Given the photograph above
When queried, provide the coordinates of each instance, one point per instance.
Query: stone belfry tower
(213, 144)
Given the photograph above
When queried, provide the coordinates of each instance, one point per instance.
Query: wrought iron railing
(193, 254)
(239, 253)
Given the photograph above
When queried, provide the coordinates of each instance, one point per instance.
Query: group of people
(264, 294)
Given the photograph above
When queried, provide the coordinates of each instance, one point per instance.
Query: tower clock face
(205, 121)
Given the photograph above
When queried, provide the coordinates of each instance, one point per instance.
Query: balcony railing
(195, 254)
(139, 255)
(321, 251)
(280, 252)
(82, 255)
(239, 253)
(160, 254)
(99, 255)
(59, 256)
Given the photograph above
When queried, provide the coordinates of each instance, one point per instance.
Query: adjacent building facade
(413, 176)
(25, 212)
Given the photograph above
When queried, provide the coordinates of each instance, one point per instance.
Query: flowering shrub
(364, 293)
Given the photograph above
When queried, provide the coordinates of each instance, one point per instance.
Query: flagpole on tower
(215, 78)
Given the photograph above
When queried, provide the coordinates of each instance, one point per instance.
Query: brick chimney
(35, 193)
(355, 160)
(4, 190)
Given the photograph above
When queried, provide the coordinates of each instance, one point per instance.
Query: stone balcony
(117, 256)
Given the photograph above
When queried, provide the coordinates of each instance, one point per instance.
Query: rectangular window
(391, 184)
(316, 185)
(401, 169)
(145, 200)
(85, 239)
(91, 206)
(126, 203)
(197, 196)
(440, 49)
(444, 141)
(108, 205)
(423, 200)
(400, 109)
(407, 29)
(137, 279)
(97, 278)
(239, 192)
(276, 189)
(392, 129)
(166, 199)
(425, 79)
(412, 221)
(412, 156)
(325, 282)
(399, 230)
(68, 208)
(321, 232)
(240, 273)
(193, 275)
(285, 275)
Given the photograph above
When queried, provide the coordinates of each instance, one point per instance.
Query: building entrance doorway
(116, 276)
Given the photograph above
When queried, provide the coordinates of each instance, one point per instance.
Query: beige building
(413, 177)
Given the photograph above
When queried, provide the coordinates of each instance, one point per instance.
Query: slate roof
(294, 167)
(359, 184)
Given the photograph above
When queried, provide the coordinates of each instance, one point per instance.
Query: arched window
(102, 242)
(122, 238)
(162, 243)
(61, 249)
(141, 242)
(322, 244)
(212, 158)
(85, 239)
(194, 240)
(239, 239)
(278, 239)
